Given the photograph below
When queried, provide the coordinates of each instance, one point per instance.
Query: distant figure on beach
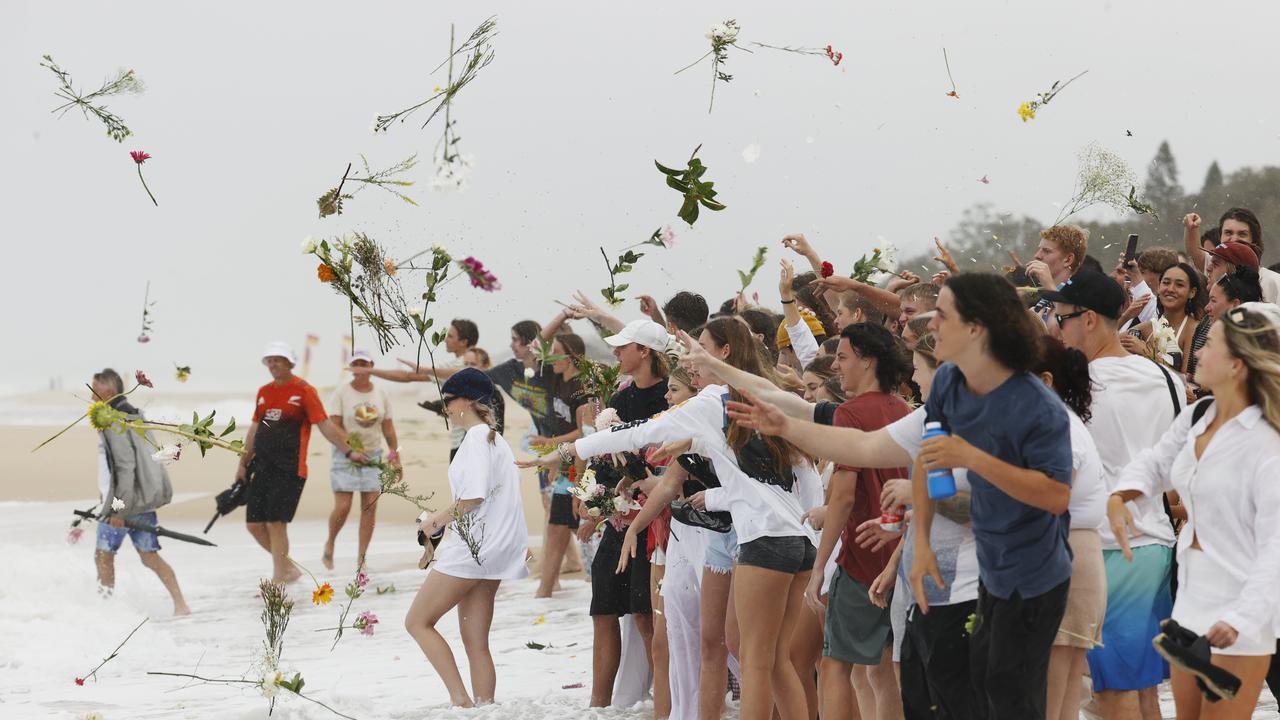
(275, 455)
(364, 412)
(487, 544)
(127, 472)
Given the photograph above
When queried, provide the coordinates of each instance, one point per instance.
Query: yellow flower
(1026, 112)
(540, 620)
(322, 595)
(102, 416)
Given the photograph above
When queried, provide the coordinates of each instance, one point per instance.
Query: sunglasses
(1062, 319)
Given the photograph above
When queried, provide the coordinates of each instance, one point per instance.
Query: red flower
(141, 377)
(79, 681)
(139, 156)
(834, 56)
(828, 269)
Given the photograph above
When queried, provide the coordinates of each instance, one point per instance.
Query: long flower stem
(113, 654)
(174, 430)
(144, 186)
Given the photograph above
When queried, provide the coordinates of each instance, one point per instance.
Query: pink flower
(667, 237)
(361, 579)
(365, 623)
(139, 156)
(834, 56)
(480, 277)
(141, 377)
(73, 536)
(144, 338)
(80, 681)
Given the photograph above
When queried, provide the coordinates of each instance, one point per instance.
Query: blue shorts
(722, 551)
(1138, 598)
(110, 539)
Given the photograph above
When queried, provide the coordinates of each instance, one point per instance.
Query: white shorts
(1204, 589)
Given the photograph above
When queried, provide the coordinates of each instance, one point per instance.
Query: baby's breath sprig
(123, 82)
(330, 203)
(478, 50)
(1104, 178)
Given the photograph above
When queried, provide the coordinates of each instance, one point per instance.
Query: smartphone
(1131, 250)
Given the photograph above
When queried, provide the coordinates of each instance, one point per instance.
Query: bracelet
(563, 450)
(788, 302)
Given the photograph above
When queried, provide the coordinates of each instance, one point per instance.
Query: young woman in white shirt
(767, 500)
(1066, 370)
(478, 555)
(1224, 466)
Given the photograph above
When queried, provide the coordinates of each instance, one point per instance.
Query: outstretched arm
(846, 446)
(743, 381)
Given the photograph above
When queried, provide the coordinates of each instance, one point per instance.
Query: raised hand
(944, 257)
(1191, 221)
(758, 415)
(797, 243)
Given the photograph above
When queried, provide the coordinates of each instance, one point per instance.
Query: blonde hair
(1069, 239)
(484, 411)
(1251, 334)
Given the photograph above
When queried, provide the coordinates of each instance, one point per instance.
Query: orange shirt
(285, 413)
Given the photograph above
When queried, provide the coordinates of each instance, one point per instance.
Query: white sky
(252, 110)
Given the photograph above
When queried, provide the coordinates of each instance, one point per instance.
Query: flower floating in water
(480, 277)
(168, 455)
(140, 157)
(322, 595)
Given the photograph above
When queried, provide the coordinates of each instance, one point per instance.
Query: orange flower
(322, 595)
(325, 273)
(390, 266)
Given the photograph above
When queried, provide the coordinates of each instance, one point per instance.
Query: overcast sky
(252, 110)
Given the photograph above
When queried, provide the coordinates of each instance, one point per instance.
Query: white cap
(279, 349)
(361, 354)
(644, 332)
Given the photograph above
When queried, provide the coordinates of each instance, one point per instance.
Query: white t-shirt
(362, 413)
(953, 544)
(488, 471)
(1088, 504)
(1149, 310)
(1270, 282)
(1131, 410)
(758, 509)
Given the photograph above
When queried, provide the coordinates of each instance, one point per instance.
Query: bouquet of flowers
(1163, 342)
(599, 380)
(883, 262)
(602, 501)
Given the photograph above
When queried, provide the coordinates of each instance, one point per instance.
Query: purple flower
(361, 579)
(480, 277)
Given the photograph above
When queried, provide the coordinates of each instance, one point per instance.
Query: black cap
(1090, 289)
(468, 383)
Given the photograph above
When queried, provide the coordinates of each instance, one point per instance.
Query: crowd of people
(968, 496)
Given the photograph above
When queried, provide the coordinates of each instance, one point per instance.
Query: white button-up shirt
(1232, 496)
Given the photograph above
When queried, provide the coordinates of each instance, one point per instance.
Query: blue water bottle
(942, 484)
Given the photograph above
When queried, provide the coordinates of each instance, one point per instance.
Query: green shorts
(856, 632)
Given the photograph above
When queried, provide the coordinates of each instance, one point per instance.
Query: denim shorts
(110, 539)
(722, 550)
(784, 554)
(347, 477)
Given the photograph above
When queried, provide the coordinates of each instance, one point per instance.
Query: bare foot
(180, 610)
(327, 558)
(292, 574)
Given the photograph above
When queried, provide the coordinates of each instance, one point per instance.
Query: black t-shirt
(824, 412)
(565, 401)
(636, 403)
(533, 394)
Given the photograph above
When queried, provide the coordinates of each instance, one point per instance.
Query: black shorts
(562, 511)
(272, 495)
(620, 594)
(784, 554)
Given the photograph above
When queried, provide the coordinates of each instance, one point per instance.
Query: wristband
(563, 450)
(788, 302)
